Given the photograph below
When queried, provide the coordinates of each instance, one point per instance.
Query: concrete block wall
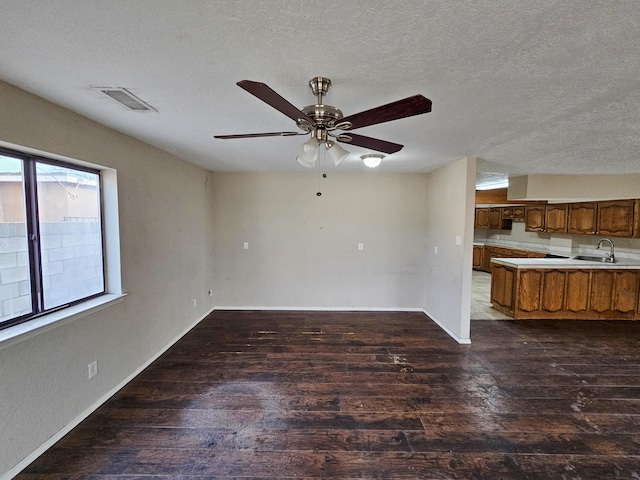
(15, 296)
(72, 265)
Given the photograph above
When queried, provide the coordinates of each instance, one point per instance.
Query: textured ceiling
(526, 86)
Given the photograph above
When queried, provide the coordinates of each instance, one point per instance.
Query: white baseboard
(70, 426)
(462, 341)
(320, 309)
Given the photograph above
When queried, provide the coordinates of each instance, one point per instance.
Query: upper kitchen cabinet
(491, 218)
(546, 218)
(495, 218)
(534, 218)
(515, 212)
(615, 218)
(618, 218)
(583, 218)
(482, 218)
(555, 216)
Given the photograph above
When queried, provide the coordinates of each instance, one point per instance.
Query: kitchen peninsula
(565, 288)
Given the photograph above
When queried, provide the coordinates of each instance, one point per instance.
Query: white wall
(165, 237)
(451, 196)
(303, 248)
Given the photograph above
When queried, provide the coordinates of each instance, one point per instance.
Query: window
(51, 236)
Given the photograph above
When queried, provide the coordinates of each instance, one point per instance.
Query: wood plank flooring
(257, 395)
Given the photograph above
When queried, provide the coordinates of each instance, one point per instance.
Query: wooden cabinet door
(556, 218)
(601, 290)
(477, 257)
(615, 218)
(553, 290)
(495, 218)
(529, 290)
(518, 212)
(582, 218)
(534, 218)
(502, 286)
(507, 212)
(482, 218)
(488, 255)
(578, 290)
(625, 291)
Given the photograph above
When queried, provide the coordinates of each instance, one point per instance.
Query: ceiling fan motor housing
(319, 86)
(323, 115)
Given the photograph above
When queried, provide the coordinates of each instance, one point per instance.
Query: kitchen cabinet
(616, 218)
(615, 291)
(513, 212)
(482, 255)
(583, 218)
(546, 218)
(491, 218)
(534, 218)
(495, 218)
(538, 292)
(502, 288)
(482, 218)
(555, 218)
(478, 257)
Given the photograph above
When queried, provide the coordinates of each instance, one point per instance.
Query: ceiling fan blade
(268, 95)
(406, 107)
(370, 143)
(255, 135)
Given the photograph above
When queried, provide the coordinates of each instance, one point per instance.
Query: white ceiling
(545, 86)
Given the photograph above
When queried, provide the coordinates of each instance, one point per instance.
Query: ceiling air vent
(127, 99)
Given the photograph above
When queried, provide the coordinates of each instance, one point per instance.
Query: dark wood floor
(258, 395)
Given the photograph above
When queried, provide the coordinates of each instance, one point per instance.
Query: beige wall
(557, 188)
(303, 249)
(165, 238)
(451, 197)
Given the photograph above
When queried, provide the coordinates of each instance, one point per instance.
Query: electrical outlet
(93, 369)
(360, 246)
(210, 293)
(246, 245)
(435, 250)
(195, 302)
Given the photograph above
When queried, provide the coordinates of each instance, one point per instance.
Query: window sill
(23, 331)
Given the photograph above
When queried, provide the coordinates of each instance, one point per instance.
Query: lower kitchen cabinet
(482, 255)
(566, 293)
(478, 257)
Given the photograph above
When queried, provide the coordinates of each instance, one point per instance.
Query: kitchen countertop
(565, 263)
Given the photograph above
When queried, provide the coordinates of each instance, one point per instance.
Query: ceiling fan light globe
(338, 154)
(308, 153)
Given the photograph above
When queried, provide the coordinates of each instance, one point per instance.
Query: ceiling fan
(325, 122)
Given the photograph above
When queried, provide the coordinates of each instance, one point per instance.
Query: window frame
(33, 237)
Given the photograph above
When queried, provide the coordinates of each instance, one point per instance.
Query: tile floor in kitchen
(481, 308)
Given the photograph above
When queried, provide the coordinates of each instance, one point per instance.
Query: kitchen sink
(590, 258)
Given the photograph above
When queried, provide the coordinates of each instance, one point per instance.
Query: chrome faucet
(610, 254)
